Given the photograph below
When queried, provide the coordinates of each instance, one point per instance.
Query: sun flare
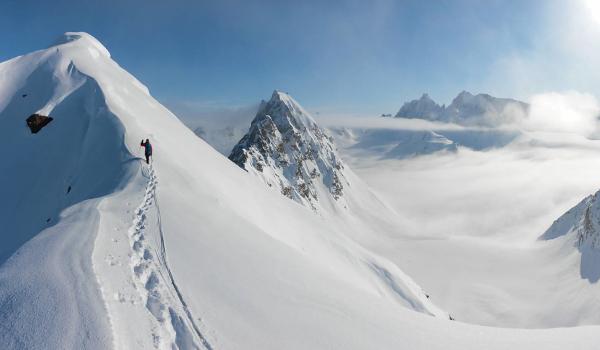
(593, 8)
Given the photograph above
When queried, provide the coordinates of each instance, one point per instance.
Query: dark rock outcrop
(36, 122)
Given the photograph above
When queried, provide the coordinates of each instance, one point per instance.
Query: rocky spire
(288, 150)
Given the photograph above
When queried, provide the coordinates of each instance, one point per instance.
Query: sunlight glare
(593, 7)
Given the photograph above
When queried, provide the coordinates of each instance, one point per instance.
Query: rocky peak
(463, 96)
(424, 107)
(581, 221)
(288, 150)
(580, 228)
(466, 109)
(425, 97)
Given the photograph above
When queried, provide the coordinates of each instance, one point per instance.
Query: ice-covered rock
(288, 150)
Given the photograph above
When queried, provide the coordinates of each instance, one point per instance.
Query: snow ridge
(155, 283)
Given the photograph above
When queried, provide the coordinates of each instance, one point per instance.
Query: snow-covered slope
(466, 109)
(93, 258)
(190, 252)
(579, 229)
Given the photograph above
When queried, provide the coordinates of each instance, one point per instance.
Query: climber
(147, 150)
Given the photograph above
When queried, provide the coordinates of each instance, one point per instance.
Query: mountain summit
(288, 150)
(424, 108)
(466, 109)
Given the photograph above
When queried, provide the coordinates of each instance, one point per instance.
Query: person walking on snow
(147, 150)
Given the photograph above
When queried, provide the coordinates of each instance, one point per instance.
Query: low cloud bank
(570, 112)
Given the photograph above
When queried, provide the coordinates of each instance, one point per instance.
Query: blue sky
(339, 56)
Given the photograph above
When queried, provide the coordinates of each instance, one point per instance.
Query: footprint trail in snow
(154, 281)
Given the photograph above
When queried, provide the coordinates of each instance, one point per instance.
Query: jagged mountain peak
(582, 221)
(425, 107)
(288, 150)
(463, 96)
(285, 112)
(466, 108)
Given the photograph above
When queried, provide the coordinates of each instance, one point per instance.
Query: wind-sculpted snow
(580, 227)
(50, 182)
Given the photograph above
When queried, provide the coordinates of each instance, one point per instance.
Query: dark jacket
(147, 148)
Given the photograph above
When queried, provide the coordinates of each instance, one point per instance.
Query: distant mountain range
(466, 109)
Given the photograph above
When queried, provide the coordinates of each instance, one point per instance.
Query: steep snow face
(50, 189)
(467, 109)
(423, 108)
(580, 228)
(78, 145)
(288, 150)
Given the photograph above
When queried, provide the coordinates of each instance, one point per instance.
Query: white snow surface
(101, 251)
